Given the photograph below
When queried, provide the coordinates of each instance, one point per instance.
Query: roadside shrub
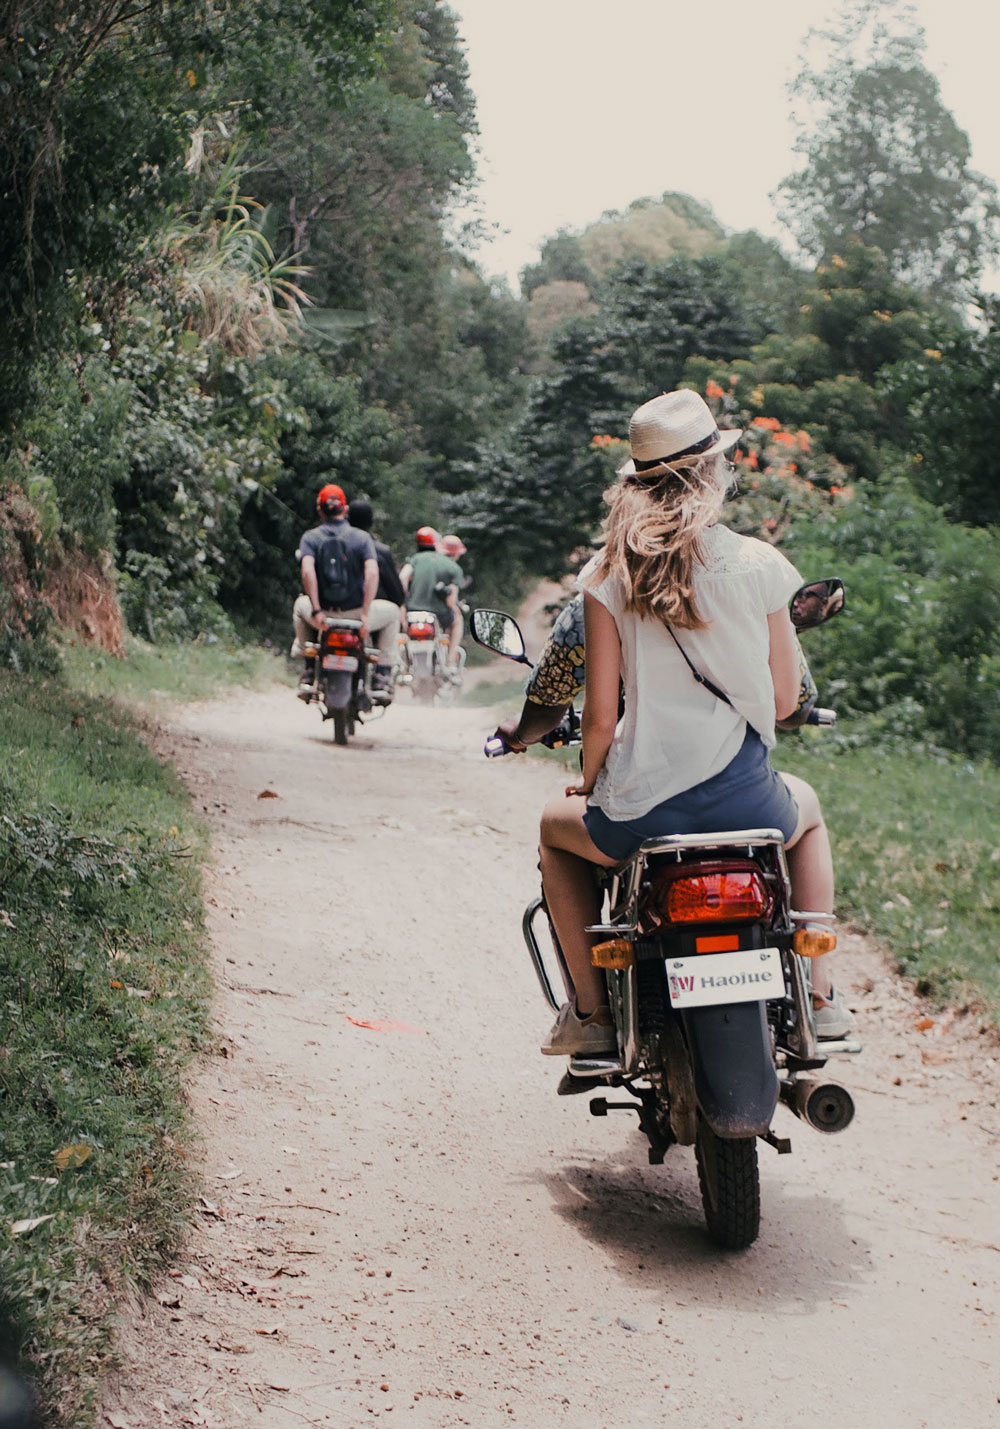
(920, 641)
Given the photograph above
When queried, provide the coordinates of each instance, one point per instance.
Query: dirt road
(401, 1220)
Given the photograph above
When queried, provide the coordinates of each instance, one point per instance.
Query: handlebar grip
(823, 717)
(494, 748)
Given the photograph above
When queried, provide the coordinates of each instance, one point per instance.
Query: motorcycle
(707, 968)
(342, 681)
(425, 657)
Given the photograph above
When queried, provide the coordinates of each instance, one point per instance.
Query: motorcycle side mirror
(817, 602)
(500, 633)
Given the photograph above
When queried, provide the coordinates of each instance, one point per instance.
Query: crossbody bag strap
(713, 689)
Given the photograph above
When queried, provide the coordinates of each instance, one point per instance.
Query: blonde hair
(653, 536)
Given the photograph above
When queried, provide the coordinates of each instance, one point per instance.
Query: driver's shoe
(307, 681)
(382, 685)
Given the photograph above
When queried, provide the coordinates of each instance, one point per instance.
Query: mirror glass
(498, 632)
(816, 602)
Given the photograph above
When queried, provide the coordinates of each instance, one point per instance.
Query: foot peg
(584, 1065)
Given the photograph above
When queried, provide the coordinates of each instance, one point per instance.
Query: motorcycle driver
(339, 573)
(432, 581)
(559, 676)
(388, 609)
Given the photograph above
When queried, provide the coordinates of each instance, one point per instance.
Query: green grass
(105, 997)
(916, 846)
(917, 859)
(501, 694)
(150, 674)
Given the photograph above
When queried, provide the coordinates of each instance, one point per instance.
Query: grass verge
(917, 856)
(150, 674)
(105, 999)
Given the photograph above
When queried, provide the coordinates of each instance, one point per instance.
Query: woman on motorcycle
(691, 753)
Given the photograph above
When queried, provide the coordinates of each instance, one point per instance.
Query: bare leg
(810, 865)
(568, 856)
(455, 631)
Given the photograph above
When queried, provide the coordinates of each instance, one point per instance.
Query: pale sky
(586, 105)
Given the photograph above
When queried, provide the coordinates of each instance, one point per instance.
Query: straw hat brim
(727, 440)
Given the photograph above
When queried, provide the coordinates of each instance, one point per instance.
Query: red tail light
(421, 630)
(343, 641)
(707, 893)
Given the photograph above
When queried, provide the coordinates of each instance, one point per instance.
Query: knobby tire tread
(729, 1178)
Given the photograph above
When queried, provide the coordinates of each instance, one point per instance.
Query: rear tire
(730, 1187)
(424, 689)
(340, 726)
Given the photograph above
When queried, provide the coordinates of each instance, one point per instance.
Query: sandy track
(410, 1225)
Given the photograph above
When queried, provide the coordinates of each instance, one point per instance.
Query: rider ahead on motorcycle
(687, 756)
(339, 574)
(432, 581)
(388, 609)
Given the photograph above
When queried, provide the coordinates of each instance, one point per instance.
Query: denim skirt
(747, 794)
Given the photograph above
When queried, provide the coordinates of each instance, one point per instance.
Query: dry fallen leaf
(268, 794)
(23, 1227)
(68, 1157)
(930, 1058)
(924, 1024)
(116, 1420)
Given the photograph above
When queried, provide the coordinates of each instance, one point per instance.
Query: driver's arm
(557, 676)
(530, 725)
(371, 587)
(309, 583)
(405, 576)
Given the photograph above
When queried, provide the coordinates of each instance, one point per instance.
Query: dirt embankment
(38, 577)
(402, 1221)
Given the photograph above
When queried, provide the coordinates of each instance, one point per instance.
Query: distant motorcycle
(342, 684)
(425, 657)
(707, 968)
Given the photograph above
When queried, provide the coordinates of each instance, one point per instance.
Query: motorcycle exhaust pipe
(825, 1106)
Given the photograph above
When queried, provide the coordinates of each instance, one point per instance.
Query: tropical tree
(884, 159)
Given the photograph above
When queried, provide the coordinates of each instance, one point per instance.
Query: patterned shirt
(560, 671)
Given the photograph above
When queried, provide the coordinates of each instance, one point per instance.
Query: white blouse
(674, 733)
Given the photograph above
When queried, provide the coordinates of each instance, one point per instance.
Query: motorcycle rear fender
(337, 689)
(734, 1076)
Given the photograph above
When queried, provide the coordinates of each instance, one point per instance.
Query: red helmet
(427, 539)
(331, 501)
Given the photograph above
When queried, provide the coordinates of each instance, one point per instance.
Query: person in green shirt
(432, 581)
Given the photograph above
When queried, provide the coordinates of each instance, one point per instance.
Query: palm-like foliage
(235, 291)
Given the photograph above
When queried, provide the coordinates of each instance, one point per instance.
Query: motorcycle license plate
(745, 976)
(340, 662)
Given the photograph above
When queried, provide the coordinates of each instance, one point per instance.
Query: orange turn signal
(813, 942)
(616, 954)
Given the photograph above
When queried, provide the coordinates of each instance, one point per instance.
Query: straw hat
(670, 427)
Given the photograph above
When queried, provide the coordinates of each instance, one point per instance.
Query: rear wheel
(424, 689)
(341, 722)
(730, 1187)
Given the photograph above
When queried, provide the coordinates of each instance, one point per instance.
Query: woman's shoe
(572, 1035)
